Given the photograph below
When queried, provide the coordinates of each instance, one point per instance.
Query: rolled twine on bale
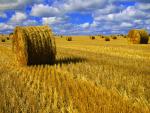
(34, 45)
(137, 36)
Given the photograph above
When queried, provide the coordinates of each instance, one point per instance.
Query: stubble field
(89, 76)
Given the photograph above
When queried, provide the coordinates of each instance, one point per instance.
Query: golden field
(89, 76)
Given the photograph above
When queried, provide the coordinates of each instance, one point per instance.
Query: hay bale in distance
(11, 35)
(92, 37)
(114, 37)
(107, 39)
(34, 45)
(137, 36)
(3, 40)
(7, 38)
(124, 36)
(102, 36)
(69, 38)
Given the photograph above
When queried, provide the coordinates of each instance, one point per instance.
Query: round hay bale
(11, 35)
(114, 37)
(69, 38)
(92, 37)
(7, 38)
(3, 40)
(34, 45)
(107, 38)
(125, 36)
(137, 36)
(102, 36)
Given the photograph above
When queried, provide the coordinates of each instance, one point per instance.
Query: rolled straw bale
(3, 40)
(107, 38)
(114, 37)
(10, 35)
(137, 36)
(7, 38)
(34, 45)
(92, 37)
(69, 38)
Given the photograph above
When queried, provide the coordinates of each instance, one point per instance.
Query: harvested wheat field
(89, 76)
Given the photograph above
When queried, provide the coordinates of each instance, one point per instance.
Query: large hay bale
(137, 36)
(34, 45)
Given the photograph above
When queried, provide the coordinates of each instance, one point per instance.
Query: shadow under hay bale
(69, 38)
(137, 36)
(69, 60)
(34, 45)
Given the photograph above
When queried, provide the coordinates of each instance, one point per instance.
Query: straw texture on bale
(137, 36)
(34, 45)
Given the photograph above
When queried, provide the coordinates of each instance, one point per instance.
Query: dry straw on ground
(137, 36)
(34, 45)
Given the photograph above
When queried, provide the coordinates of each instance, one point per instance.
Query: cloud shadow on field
(70, 60)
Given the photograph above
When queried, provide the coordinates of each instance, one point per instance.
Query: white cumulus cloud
(2, 15)
(4, 26)
(44, 10)
(68, 6)
(126, 24)
(15, 4)
(51, 20)
(85, 25)
(18, 17)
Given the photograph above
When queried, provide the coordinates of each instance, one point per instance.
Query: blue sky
(76, 17)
